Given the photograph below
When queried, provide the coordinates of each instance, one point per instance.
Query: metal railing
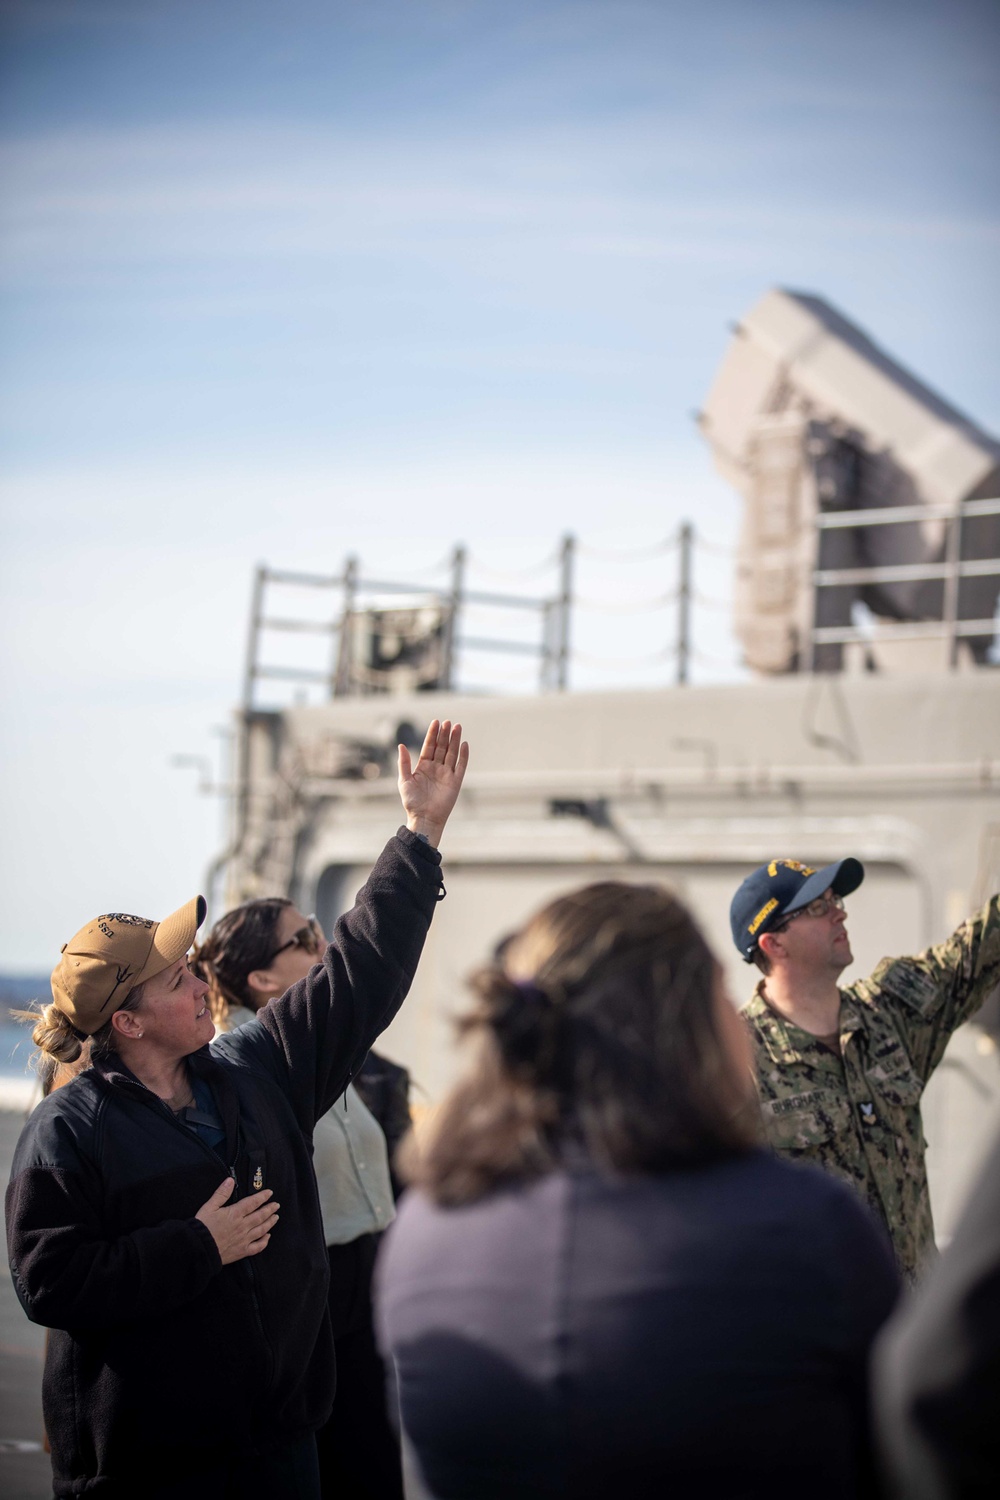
(358, 593)
(552, 611)
(951, 570)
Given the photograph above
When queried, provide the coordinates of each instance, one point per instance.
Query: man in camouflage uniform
(841, 1071)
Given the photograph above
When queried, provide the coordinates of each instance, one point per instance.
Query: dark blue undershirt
(204, 1118)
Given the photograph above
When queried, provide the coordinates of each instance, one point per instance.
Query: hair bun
(524, 1018)
(56, 1036)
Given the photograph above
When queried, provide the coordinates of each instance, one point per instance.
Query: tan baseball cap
(114, 953)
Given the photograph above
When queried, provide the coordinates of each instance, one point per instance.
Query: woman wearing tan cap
(162, 1213)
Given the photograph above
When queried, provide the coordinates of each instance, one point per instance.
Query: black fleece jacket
(161, 1359)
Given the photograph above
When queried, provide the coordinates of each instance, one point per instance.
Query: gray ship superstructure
(868, 578)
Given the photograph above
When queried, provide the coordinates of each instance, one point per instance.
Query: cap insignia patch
(789, 864)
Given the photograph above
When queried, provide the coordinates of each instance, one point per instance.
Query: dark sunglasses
(309, 938)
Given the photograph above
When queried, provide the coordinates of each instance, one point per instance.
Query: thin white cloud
(243, 195)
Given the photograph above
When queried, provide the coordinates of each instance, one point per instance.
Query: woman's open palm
(430, 788)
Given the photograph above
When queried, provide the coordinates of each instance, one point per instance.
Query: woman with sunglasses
(191, 1355)
(252, 955)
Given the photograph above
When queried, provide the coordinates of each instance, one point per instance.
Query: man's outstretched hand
(430, 788)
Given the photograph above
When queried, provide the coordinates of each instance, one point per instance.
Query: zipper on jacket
(258, 1314)
(247, 1259)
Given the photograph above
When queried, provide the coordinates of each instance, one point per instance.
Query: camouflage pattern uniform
(858, 1115)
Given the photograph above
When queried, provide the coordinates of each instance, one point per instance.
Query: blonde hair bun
(53, 1033)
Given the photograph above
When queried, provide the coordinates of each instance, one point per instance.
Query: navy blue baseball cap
(783, 886)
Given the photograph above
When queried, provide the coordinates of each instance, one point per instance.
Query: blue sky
(279, 282)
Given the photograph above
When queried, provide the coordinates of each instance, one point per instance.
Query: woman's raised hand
(430, 788)
(242, 1229)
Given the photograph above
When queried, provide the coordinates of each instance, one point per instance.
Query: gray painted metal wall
(687, 786)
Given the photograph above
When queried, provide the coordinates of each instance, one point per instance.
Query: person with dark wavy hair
(252, 955)
(601, 1284)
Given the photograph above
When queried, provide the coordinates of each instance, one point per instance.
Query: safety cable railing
(547, 648)
(950, 571)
